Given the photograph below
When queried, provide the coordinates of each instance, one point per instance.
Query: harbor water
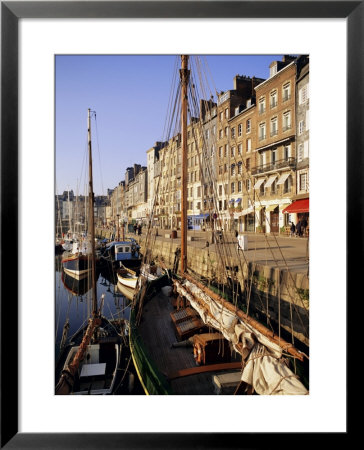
(73, 305)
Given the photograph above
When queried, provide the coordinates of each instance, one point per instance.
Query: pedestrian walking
(304, 226)
(298, 228)
(135, 228)
(139, 230)
(293, 229)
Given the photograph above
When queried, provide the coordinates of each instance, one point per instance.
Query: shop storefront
(298, 211)
(198, 222)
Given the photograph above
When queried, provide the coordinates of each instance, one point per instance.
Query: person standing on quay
(293, 229)
(298, 228)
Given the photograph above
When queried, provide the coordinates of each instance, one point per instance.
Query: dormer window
(273, 69)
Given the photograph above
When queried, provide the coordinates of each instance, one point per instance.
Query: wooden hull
(98, 374)
(78, 266)
(127, 277)
(129, 282)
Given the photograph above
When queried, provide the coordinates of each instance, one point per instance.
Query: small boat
(76, 265)
(125, 291)
(97, 369)
(89, 363)
(151, 272)
(127, 277)
(76, 287)
(118, 253)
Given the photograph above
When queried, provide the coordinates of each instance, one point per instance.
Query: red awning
(299, 206)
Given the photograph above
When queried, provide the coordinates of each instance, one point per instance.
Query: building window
(221, 116)
(226, 131)
(198, 205)
(220, 190)
(225, 205)
(239, 186)
(286, 91)
(287, 185)
(303, 182)
(233, 133)
(301, 127)
(274, 156)
(303, 94)
(240, 129)
(248, 125)
(220, 134)
(225, 168)
(220, 152)
(233, 169)
(286, 120)
(274, 126)
(248, 145)
(262, 134)
(287, 152)
(248, 185)
(240, 167)
(262, 105)
(300, 152)
(226, 148)
(227, 113)
(273, 70)
(220, 170)
(199, 191)
(240, 149)
(207, 133)
(247, 164)
(220, 205)
(232, 188)
(273, 188)
(233, 152)
(273, 99)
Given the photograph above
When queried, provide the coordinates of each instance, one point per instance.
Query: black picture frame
(11, 12)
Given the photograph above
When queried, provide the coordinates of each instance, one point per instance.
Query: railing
(280, 164)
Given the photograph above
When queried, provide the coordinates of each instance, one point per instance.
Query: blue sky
(130, 95)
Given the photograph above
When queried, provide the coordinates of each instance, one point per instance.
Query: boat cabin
(121, 251)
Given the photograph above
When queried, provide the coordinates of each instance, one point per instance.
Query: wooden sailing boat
(219, 349)
(91, 360)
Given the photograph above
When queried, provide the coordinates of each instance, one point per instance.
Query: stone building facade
(275, 153)
(247, 158)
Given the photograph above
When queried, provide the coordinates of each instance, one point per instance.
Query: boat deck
(158, 334)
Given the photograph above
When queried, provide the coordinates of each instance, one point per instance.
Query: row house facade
(235, 143)
(299, 210)
(247, 158)
(153, 169)
(274, 172)
(169, 182)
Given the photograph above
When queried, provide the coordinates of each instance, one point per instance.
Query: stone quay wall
(276, 295)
